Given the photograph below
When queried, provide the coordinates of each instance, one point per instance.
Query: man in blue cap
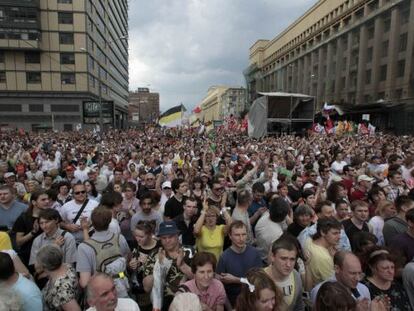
(180, 263)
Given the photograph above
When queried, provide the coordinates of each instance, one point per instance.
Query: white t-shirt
(124, 304)
(69, 211)
(266, 231)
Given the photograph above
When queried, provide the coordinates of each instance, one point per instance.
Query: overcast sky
(179, 48)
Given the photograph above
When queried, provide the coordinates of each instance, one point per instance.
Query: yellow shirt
(211, 241)
(321, 266)
(5, 242)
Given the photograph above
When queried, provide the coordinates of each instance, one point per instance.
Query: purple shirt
(405, 243)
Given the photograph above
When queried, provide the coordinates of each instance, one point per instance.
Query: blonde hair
(186, 301)
(382, 206)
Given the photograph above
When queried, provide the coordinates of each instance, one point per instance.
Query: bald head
(348, 269)
(101, 292)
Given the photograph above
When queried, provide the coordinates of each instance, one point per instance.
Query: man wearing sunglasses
(70, 210)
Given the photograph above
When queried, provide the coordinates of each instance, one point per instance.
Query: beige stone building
(221, 101)
(144, 107)
(55, 55)
(351, 52)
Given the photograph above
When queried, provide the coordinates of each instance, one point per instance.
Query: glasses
(80, 192)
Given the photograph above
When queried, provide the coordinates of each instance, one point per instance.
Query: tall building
(222, 101)
(63, 63)
(144, 106)
(350, 52)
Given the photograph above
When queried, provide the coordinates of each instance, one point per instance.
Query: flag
(172, 117)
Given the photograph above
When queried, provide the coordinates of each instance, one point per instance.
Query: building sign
(135, 116)
(91, 112)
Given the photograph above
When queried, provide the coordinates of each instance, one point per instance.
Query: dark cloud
(182, 47)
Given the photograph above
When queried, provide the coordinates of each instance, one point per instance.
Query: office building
(63, 63)
(144, 107)
(349, 52)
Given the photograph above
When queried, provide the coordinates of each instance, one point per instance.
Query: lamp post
(101, 123)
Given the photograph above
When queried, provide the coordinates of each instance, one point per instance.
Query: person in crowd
(112, 201)
(9, 300)
(10, 208)
(166, 194)
(397, 224)
(61, 290)
(323, 209)
(348, 272)
(174, 205)
(302, 218)
(34, 173)
(336, 191)
(184, 301)
(348, 178)
(179, 260)
(271, 225)
(385, 210)
(358, 221)
(146, 211)
(102, 296)
(81, 172)
(186, 222)
(364, 243)
(295, 189)
(396, 185)
(27, 290)
(259, 293)
(282, 259)
(258, 206)
(146, 245)
(93, 194)
(408, 281)
(342, 209)
(375, 196)
(321, 249)
(240, 212)
(309, 198)
(404, 242)
(210, 235)
(102, 249)
(73, 211)
(148, 186)
(380, 280)
(49, 220)
(63, 189)
(362, 188)
(237, 260)
(209, 290)
(27, 226)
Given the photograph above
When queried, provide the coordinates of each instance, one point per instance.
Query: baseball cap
(365, 178)
(168, 228)
(9, 174)
(166, 184)
(308, 186)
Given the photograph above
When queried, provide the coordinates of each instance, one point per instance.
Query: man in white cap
(360, 192)
(166, 193)
(10, 179)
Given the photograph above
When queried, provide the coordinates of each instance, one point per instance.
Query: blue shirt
(255, 206)
(9, 215)
(29, 293)
(308, 232)
(238, 265)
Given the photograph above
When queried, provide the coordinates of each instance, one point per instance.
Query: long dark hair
(94, 192)
(33, 197)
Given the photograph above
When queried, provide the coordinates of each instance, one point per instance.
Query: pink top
(213, 297)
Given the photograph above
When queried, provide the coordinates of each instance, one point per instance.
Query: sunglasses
(80, 192)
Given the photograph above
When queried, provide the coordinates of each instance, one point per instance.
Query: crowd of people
(171, 219)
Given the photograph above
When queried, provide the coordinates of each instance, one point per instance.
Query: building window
(91, 81)
(401, 68)
(66, 37)
(403, 42)
(68, 78)
(10, 108)
(2, 77)
(65, 18)
(68, 127)
(1, 57)
(369, 54)
(64, 108)
(405, 16)
(64, 1)
(383, 73)
(33, 77)
(384, 49)
(35, 107)
(399, 93)
(67, 58)
(368, 76)
(387, 24)
(32, 57)
(371, 32)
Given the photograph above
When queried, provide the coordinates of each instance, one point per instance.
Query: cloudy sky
(179, 48)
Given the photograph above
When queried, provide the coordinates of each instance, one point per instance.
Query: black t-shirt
(24, 223)
(294, 194)
(173, 207)
(295, 229)
(187, 232)
(351, 230)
